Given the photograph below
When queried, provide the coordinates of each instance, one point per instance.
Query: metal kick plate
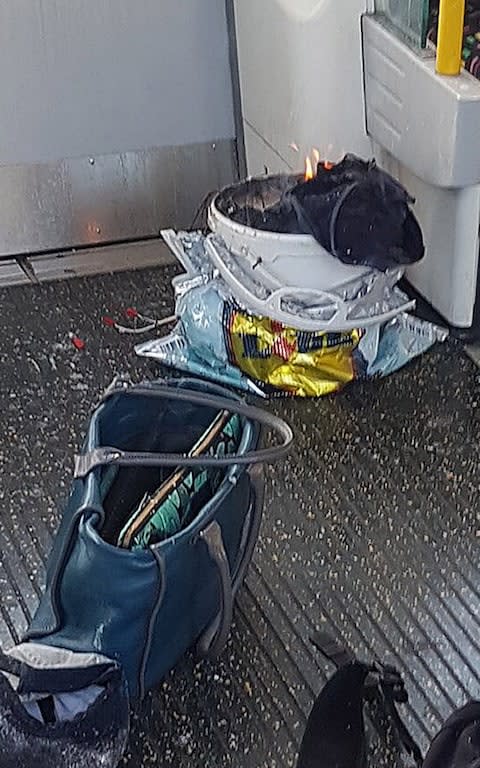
(109, 198)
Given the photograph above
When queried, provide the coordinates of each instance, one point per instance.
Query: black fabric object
(360, 214)
(96, 739)
(335, 736)
(458, 743)
(335, 733)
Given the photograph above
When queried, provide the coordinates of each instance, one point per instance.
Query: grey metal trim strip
(236, 89)
(89, 261)
(111, 198)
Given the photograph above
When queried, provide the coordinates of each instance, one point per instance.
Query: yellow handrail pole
(451, 22)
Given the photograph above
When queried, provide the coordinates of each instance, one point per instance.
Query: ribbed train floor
(371, 529)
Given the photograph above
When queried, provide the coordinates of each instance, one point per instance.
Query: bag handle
(215, 636)
(258, 487)
(336, 213)
(107, 455)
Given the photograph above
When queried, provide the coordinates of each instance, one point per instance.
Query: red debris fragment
(108, 321)
(131, 312)
(77, 342)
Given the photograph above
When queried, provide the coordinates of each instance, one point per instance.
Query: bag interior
(144, 427)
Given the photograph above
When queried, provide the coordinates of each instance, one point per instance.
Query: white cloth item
(47, 657)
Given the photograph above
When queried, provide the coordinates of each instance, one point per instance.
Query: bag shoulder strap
(108, 455)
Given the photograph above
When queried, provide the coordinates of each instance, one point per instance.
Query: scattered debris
(141, 323)
(35, 364)
(77, 342)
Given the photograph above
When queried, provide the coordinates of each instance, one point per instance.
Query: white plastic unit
(428, 123)
(302, 81)
(428, 133)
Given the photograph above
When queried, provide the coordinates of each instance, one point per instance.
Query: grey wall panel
(116, 117)
(89, 77)
(108, 198)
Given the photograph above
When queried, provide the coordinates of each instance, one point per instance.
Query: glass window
(409, 17)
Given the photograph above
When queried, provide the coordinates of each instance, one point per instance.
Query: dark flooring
(371, 529)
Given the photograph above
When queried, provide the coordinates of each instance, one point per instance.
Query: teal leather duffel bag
(154, 543)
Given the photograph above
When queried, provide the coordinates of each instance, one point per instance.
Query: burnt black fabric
(360, 214)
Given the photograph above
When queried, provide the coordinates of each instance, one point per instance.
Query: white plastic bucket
(297, 261)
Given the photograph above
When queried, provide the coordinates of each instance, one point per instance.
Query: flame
(309, 174)
(312, 162)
